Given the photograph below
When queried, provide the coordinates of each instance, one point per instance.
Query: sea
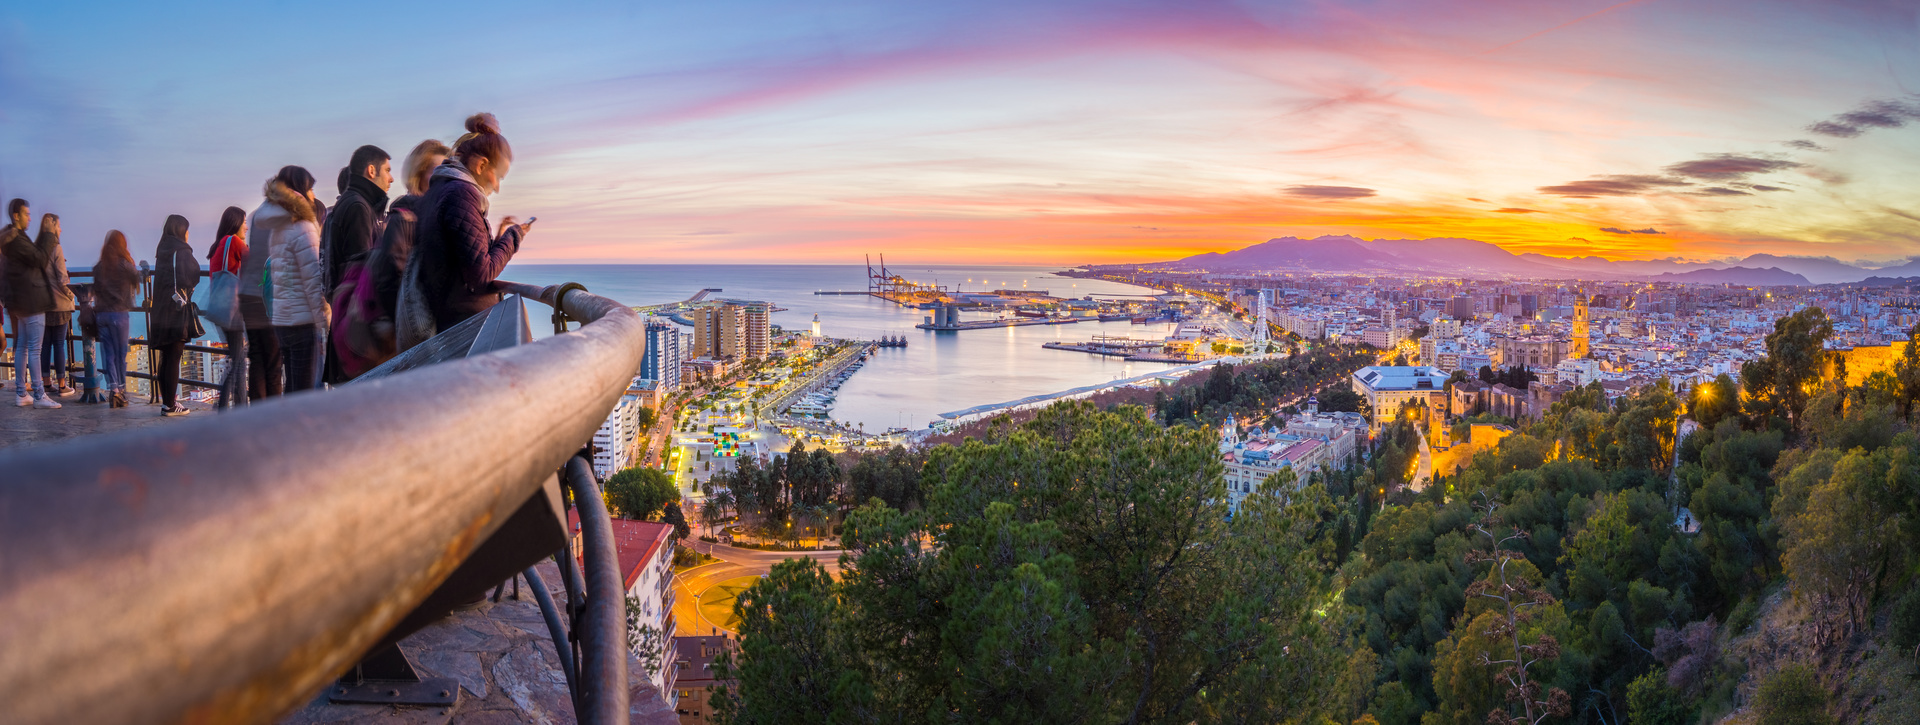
(937, 372)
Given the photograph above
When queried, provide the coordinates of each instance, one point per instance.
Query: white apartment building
(613, 443)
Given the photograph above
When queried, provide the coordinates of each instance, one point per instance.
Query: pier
(989, 324)
(1116, 346)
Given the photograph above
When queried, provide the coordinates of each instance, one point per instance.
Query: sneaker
(23, 400)
(46, 403)
(173, 412)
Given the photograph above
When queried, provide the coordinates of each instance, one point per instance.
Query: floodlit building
(1386, 388)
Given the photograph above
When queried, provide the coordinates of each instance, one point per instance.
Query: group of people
(316, 295)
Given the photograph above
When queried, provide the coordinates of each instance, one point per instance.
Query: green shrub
(1792, 696)
(1906, 621)
(1651, 702)
(1742, 617)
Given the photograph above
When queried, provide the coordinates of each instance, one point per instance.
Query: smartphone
(531, 220)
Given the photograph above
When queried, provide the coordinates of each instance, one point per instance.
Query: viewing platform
(394, 549)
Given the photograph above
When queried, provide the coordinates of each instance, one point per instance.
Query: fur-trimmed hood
(295, 205)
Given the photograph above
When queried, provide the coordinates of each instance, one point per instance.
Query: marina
(891, 389)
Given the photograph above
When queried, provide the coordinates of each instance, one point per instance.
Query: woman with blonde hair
(394, 254)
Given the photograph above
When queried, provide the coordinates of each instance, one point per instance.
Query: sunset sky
(1006, 132)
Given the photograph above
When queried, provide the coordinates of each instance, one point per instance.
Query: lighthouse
(816, 324)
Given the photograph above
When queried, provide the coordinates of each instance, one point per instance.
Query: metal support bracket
(386, 677)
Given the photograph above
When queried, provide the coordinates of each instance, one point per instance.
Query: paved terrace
(32, 426)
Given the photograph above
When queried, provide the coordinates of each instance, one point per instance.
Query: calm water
(901, 387)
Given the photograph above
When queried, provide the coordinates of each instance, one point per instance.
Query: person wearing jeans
(115, 334)
(28, 333)
(28, 298)
(115, 282)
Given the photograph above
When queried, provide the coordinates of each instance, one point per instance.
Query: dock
(1002, 322)
(1126, 347)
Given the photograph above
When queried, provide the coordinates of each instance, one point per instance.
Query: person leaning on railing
(169, 324)
(28, 297)
(53, 351)
(115, 283)
(458, 258)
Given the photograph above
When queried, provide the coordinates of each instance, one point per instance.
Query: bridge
(234, 567)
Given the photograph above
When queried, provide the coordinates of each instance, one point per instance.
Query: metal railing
(224, 569)
(83, 364)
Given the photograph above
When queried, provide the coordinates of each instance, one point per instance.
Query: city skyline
(1010, 133)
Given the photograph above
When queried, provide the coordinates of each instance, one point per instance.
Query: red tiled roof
(637, 542)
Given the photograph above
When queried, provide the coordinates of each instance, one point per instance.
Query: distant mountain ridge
(1452, 255)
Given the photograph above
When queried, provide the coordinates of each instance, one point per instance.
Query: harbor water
(908, 387)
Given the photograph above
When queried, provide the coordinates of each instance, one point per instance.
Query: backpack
(362, 333)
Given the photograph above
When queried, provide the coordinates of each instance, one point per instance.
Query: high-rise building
(756, 332)
(732, 329)
(1461, 308)
(662, 361)
(1260, 324)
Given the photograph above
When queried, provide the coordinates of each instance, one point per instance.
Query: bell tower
(1577, 349)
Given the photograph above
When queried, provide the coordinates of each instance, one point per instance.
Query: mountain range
(1448, 255)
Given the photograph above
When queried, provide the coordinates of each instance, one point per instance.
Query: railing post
(602, 630)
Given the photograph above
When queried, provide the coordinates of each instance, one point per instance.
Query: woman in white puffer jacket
(286, 227)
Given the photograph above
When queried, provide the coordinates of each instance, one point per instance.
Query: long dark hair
(231, 221)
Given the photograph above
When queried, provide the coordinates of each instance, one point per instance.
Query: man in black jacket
(354, 224)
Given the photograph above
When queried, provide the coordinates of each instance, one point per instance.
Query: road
(734, 563)
(1424, 473)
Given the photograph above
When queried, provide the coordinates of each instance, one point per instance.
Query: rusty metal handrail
(222, 569)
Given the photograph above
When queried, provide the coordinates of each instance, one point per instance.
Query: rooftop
(1401, 377)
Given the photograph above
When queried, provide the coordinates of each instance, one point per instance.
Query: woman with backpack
(171, 321)
(115, 282)
(227, 256)
(286, 232)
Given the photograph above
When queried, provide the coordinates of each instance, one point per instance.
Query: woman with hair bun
(458, 256)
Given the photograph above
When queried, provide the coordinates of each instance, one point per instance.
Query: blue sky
(1010, 132)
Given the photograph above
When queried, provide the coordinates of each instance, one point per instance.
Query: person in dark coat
(115, 283)
(17, 217)
(354, 226)
(175, 274)
(28, 298)
(53, 350)
(458, 256)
